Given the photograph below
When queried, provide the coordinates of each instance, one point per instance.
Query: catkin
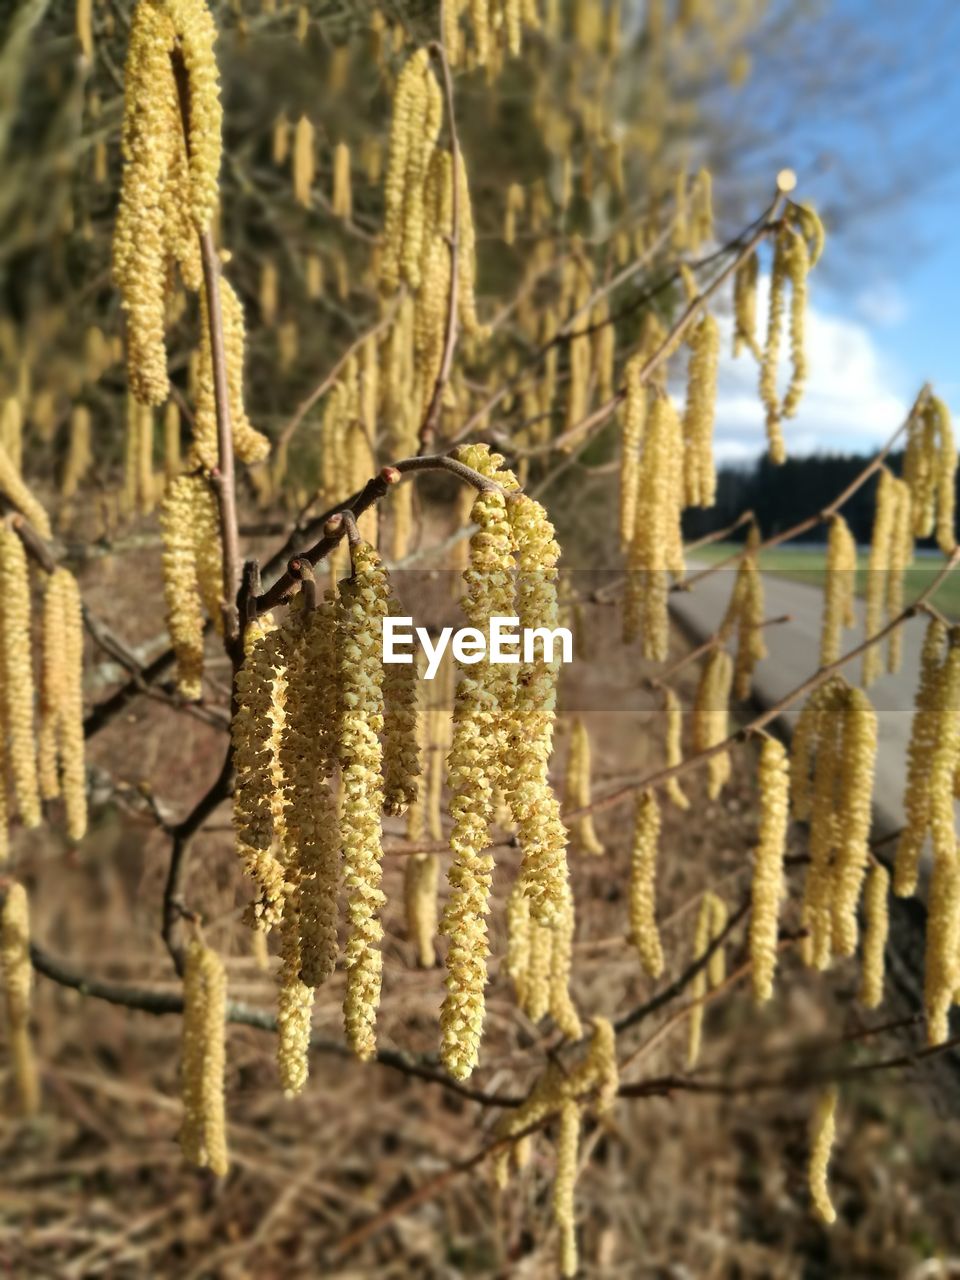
(16, 492)
(878, 569)
(745, 613)
(941, 963)
(364, 602)
(929, 470)
(901, 557)
(840, 588)
(577, 790)
(17, 987)
(710, 717)
(745, 307)
(401, 760)
(674, 748)
(186, 521)
(822, 1133)
(699, 473)
(946, 751)
(61, 740)
(342, 198)
(304, 161)
(876, 910)
(766, 888)
(643, 893)
(923, 741)
(18, 674)
(632, 418)
(11, 438)
(79, 455)
(568, 1142)
(771, 352)
(856, 789)
(203, 1138)
(711, 920)
(474, 769)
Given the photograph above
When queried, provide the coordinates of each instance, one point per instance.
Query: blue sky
(863, 100)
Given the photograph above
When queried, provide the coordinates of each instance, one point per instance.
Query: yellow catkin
(203, 1137)
(766, 888)
(15, 490)
(474, 769)
(17, 988)
(191, 569)
(769, 396)
(18, 695)
(259, 696)
(52, 683)
(171, 440)
(946, 751)
(819, 735)
(901, 557)
(294, 1006)
(699, 473)
(342, 196)
(577, 790)
(632, 419)
(710, 717)
(876, 911)
(822, 1134)
(941, 964)
(561, 1005)
(798, 265)
(840, 588)
(673, 740)
(878, 569)
(269, 293)
(929, 469)
(643, 893)
(79, 453)
(568, 1143)
(170, 189)
(653, 552)
(364, 602)
(11, 436)
(515, 203)
(923, 741)
(84, 27)
(304, 161)
(745, 307)
(69, 710)
(856, 789)
(703, 936)
(466, 257)
(145, 460)
(313, 272)
(745, 613)
(401, 760)
(280, 141)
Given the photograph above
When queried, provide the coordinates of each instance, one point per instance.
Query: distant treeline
(783, 496)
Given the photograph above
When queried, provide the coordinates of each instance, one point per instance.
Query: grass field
(808, 564)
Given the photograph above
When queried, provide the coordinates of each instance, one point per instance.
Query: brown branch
(428, 429)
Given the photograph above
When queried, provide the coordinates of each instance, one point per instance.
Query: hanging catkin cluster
(474, 770)
(17, 684)
(930, 472)
(203, 1134)
(576, 791)
(745, 616)
(17, 972)
(766, 887)
(797, 247)
(840, 589)
(657, 546)
(832, 764)
(192, 572)
(169, 190)
(891, 553)
(539, 960)
(60, 749)
(710, 720)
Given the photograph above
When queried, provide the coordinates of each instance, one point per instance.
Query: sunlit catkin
(923, 741)
(364, 602)
(710, 717)
(941, 965)
(876, 911)
(766, 888)
(577, 790)
(304, 161)
(699, 473)
(61, 740)
(929, 469)
(15, 490)
(703, 937)
(474, 768)
(203, 1136)
(401, 759)
(946, 751)
(632, 418)
(769, 395)
(342, 197)
(840, 588)
(745, 307)
(568, 1142)
(878, 568)
(18, 692)
(180, 579)
(17, 971)
(856, 789)
(643, 890)
(822, 1133)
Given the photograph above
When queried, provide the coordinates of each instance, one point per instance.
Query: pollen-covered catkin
(363, 604)
(52, 681)
(203, 1137)
(294, 1004)
(822, 1133)
(18, 674)
(674, 748)
(745, 307)
(771, 352)
(699, 473)
(878, 569)
(798, 266)
(923, 741)
(643, 889)
(568, 1142)
(929, 470)
(16, 492)
(474, 769)
(184, 614)
(856, 791)
(577, 790)
(766, 888)
(304, 161)
(701, 943)
(901, 557)
(632, 418)
(840, 588)
(70, 710)
(401, 757)
(17, 987)
(941, 962)
(561, 1005)
(876, 911)
(710, 717)
(342, 196)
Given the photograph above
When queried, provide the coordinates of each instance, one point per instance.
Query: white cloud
(850, 402)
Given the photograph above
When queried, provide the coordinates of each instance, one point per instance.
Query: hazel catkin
(18, 685)
(17, 972)
(203, 1137)
(643, 894)
(766, 886)
(822, 1133)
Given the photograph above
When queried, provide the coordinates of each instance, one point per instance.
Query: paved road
(795, 653)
